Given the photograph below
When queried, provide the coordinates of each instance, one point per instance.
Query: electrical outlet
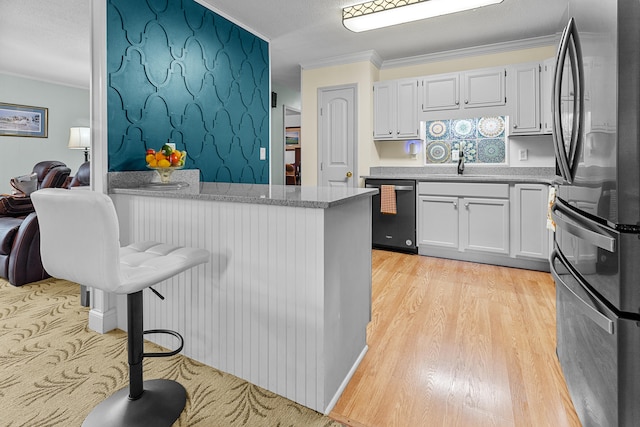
(455, 155)
(523, 154)
(263, 153)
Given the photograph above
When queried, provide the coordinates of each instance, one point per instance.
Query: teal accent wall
(178, 71)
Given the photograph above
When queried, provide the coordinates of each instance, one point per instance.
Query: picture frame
(23, 120)
(292, 137)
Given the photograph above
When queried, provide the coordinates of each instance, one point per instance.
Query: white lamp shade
(79, 138)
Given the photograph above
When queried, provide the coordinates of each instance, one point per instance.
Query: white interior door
(337, 136)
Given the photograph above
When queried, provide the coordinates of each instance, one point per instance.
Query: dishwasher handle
(397, 187)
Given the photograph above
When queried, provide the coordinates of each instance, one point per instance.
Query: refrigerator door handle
(572, 224)
(587, 309)
(557, 134)
(570, 48)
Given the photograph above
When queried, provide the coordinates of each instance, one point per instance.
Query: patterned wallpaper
(179, 72)
(482, 139)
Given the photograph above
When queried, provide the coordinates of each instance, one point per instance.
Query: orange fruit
(159, 156)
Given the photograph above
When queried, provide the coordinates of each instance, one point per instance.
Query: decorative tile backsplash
(483, 140)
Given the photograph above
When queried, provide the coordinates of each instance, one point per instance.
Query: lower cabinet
(484, 225)
(497, 223)
(438, 222)
(530, 236)
(463, 223)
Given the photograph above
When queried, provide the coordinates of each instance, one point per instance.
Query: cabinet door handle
(466, 101)
(515, 126)
(390, 132)
(455, 205)
(457, 102)
(466, 205)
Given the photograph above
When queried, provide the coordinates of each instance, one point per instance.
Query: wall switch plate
(455, 155)
(523, 154)
(263, 153)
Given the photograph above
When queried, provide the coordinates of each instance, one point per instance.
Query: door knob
(349, 174)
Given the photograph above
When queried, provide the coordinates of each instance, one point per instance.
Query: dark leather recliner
(20, 261)
(82, 177)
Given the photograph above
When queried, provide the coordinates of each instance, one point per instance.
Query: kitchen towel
(388, 199)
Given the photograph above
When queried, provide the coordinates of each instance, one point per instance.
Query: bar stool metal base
(160, 405)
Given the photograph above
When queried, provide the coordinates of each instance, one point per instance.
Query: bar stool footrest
(165, 353)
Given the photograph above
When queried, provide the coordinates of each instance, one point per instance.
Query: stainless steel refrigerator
(596, 258)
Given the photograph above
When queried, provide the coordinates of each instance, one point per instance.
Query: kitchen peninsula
(286, 298)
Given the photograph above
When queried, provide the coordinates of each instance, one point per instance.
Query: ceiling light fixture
(385, 13)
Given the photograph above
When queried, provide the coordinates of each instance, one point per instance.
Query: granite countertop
(471, 174)
(279, 195)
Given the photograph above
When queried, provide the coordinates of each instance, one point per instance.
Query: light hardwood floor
(455, 343)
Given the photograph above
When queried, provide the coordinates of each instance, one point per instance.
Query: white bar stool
(79, 242)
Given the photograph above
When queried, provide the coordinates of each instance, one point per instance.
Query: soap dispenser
(460, 161)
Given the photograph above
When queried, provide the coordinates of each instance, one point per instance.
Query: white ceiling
(50, 39)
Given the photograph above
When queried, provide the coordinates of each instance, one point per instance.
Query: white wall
(68, 106)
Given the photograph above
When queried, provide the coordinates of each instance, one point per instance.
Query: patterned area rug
(54, 370)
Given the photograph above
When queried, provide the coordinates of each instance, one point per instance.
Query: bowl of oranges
(165, 161)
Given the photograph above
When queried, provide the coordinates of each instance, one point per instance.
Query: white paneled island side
(286, 298)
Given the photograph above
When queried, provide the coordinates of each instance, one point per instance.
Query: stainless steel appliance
(395, 232)
(596, 258)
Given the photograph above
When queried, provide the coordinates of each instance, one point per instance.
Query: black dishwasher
(394, 231)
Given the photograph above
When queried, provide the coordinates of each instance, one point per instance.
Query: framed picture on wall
(23, 120)
(292, 137)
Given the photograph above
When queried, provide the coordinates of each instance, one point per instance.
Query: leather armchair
(82, 177)
(20, 261)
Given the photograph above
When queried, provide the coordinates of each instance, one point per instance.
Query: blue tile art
(483, 140)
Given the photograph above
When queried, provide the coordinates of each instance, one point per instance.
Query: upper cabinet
(484, 88)
(395, 109)
(525, 117)
(469, 89)
(441, 92)
(520, 91)
(530, 87)
(546, 90)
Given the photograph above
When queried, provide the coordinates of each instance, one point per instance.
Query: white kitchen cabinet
(495, 223)
(546, 91)
(396, 109)
(469, 89)
(484, 88)
(484, 225)
(441, 92)
(438, 222)
(529, 224)
(525, 108)
(451, 216)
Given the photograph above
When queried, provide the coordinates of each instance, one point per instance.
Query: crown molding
(375, 59)
(471, 51)
(368, 55)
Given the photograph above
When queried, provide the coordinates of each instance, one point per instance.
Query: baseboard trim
(103, 322)
(485, 258)
(346, 380)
